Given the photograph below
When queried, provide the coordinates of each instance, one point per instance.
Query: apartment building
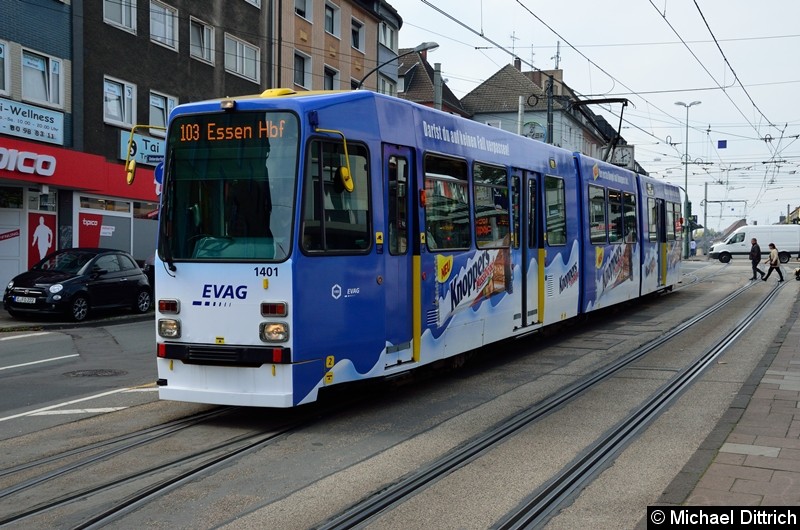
(84, 85)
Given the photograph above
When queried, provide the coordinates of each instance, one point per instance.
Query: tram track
(65, 484)
(106, 449)
(572, 478)
(536, 510)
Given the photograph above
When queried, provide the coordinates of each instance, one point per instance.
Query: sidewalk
(8, 323)
(752, 457)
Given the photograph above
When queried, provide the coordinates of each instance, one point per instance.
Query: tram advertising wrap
(306, 241)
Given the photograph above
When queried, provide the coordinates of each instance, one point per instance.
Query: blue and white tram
(312, 239)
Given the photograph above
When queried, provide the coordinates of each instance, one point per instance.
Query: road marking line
(27, 335)
(78, 411)
(38, 362)
(51, 407)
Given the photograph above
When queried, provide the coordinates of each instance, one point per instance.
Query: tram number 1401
(268, 272)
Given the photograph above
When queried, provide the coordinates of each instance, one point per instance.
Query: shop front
(53, 198)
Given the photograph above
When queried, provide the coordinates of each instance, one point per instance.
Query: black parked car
(75, 280)
(150, 271)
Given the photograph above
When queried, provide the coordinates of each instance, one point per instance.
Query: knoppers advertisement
(486, 273)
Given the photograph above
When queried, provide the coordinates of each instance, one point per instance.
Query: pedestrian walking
(693, 248)
(774, 262)
(755, 258)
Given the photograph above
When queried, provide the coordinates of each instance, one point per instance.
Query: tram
(311, 239)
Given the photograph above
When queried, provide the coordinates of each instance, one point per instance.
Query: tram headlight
(273, 331)
(169, 328)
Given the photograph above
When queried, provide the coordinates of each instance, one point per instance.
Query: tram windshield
(229, 187)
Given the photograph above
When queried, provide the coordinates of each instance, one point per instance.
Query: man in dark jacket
(755, 258)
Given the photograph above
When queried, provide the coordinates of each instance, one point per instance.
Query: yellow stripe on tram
(416, 303)
(541, 275)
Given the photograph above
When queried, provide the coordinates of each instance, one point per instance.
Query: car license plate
(25, 300)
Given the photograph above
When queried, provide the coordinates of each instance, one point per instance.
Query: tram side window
(491, 206)
(398, 200)
(335, 219)
(597, 214)
(629, 212)
(652, 219)
(556, 204)
(615, 229)
(446, 203)
(671, 221)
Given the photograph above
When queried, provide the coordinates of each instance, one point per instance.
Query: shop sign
(144, 149)
(33, 123)
(27, 162)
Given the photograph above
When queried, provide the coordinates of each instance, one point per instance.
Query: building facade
(97, 87)
(327, 45)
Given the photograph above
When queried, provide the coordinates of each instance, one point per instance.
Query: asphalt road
(51, 363)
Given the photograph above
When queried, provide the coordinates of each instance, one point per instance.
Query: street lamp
(686, 223)
(422, 47)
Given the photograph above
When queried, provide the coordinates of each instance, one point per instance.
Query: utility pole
(550, 109)
(557, 56)
(514, 40)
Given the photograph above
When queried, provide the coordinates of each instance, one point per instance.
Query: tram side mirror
(130, 171)
(344, 178)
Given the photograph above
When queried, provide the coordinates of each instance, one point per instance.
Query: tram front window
(229, 187)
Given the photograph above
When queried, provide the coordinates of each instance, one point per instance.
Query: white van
(785, 237)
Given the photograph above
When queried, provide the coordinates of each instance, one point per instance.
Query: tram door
(658, 235)
(398, 253)
(529, 239)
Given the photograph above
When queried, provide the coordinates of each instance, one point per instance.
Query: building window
(241, 58)
(331, 81)
(164, 25)
(201, 41)
(303, 8)
(386, 36)
(4, 88)
(387, 86)
(332, 19)
(10, 197)
(43, 202)
(120, 13)
(302, 70)
(119, 102)
(357, 33)
(106, 205)
(42, 79)
(160, 107)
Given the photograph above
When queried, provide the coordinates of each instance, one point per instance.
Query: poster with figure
(41, 234)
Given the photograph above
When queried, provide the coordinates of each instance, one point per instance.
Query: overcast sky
(739, 58)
